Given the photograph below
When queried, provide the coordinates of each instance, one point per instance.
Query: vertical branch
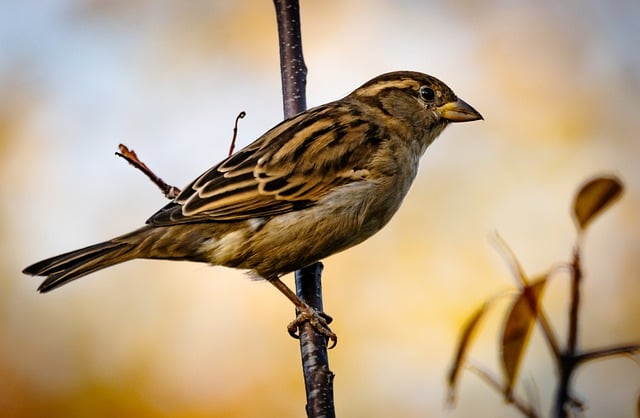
(292, 67)
(576, 281)
(313, 346)
(318, 378)
(569, 360)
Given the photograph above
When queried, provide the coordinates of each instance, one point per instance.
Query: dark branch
(292, 67)
(313, 345)
(569, 358)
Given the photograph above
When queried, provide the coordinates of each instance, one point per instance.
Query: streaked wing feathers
(288, 168)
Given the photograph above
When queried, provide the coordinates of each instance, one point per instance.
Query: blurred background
(557, 82)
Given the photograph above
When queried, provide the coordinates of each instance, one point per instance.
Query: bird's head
(420, 100)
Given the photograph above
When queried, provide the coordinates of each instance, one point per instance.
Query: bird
(314, 185)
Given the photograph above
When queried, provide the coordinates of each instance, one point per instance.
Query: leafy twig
(591, 199)
(518, 272)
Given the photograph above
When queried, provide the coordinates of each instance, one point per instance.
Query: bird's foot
(318, 320)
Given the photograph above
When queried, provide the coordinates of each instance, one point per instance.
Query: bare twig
(170, 192)
(521, 405)
(602, 353)
(241, 115)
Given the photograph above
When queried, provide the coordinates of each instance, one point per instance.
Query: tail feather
(64, 268)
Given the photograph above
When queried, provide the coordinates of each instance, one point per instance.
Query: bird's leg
(319, 320)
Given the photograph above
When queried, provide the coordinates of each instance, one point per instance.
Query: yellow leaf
(517, 328)
(463, 345)
(594, 196)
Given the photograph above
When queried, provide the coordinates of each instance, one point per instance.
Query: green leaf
(594, 196)
(518, 327)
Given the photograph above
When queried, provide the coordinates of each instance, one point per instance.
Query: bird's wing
(289, 168)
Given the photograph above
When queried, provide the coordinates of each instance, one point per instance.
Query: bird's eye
(427, 93)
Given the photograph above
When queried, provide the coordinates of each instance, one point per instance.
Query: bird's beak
(458, 111)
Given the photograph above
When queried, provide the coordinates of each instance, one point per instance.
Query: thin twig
(602, 353)
(241, 115)
(170, 192)
(521, 405)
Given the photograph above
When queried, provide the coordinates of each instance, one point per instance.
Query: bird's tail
(62, 269)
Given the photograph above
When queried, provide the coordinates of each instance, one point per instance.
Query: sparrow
(314, 185)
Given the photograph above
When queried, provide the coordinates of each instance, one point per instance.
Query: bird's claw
(318, 320)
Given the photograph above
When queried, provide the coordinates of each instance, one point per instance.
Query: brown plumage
(314, 185)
